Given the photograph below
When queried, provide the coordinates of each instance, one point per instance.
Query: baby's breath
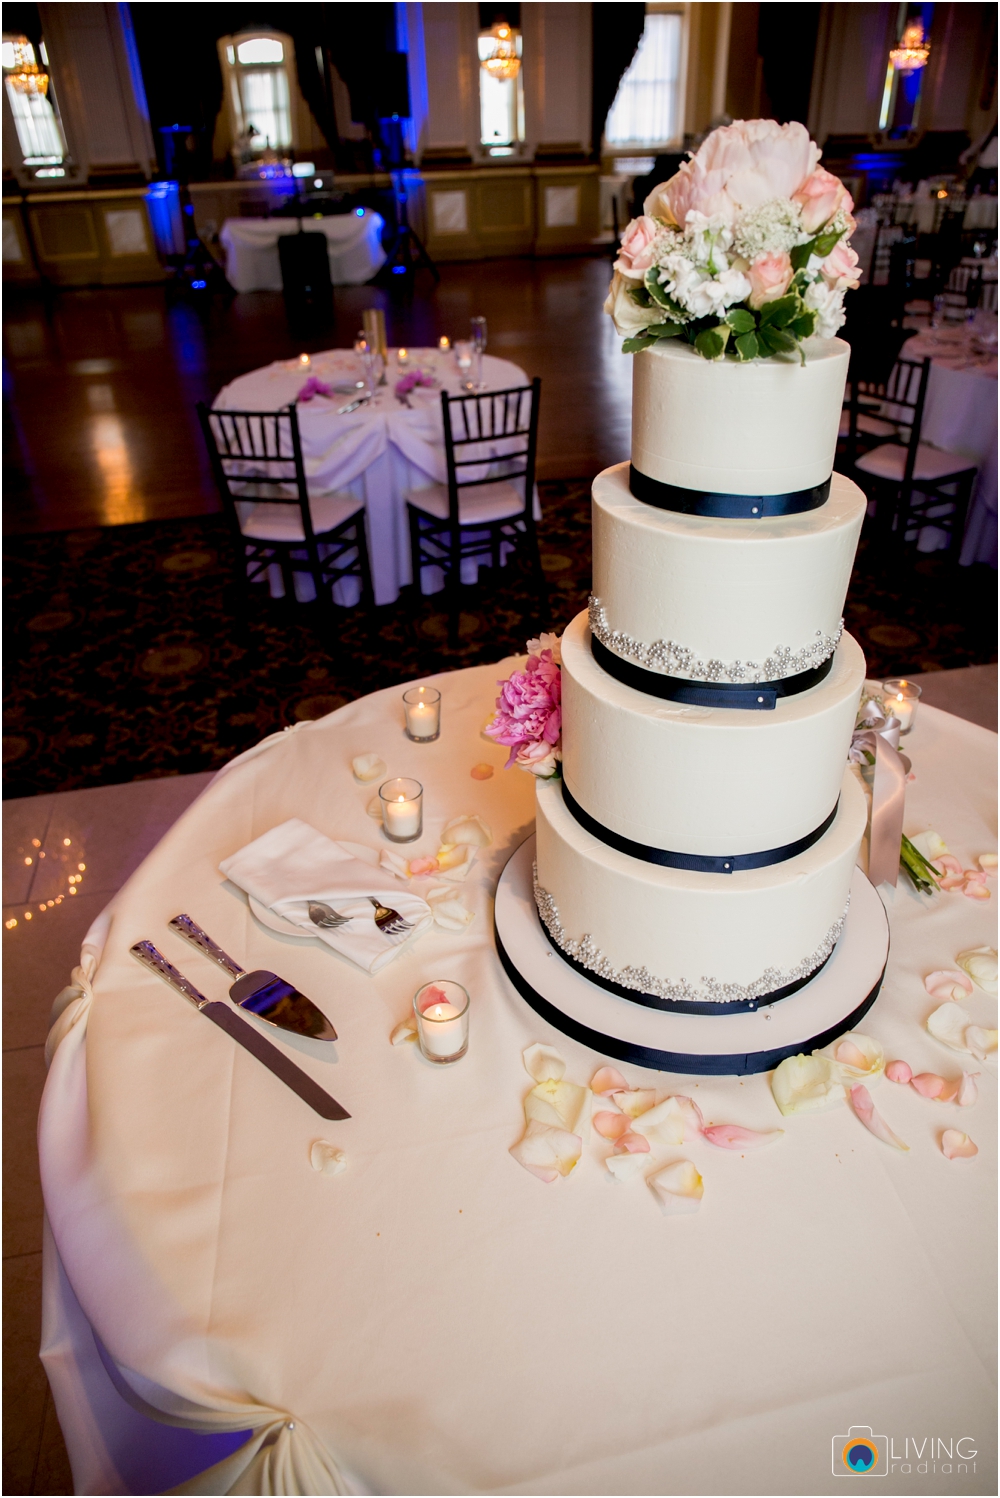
(771, 229)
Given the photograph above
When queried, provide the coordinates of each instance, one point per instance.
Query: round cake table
(435, 1319)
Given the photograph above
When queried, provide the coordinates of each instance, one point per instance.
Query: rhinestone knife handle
(151, 958)
(192, 932)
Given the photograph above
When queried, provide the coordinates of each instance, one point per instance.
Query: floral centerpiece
(744, 251)
(528, 719)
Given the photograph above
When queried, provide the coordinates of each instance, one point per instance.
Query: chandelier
(503, 61)
(912, 51)
(26, 77)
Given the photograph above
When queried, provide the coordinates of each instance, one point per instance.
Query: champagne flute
(479, 344)
(362, 350)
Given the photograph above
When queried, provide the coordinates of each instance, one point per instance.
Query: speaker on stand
(407, 253)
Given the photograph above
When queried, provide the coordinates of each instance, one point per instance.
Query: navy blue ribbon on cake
(714, 504)
(754, 696)
(698, 863)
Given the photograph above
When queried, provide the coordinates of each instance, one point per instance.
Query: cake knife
(263, 993)
(245, 1035)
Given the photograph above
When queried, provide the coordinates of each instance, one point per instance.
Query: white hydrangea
(699, 292)
(772, 229)
(706, 241)
(828, 306)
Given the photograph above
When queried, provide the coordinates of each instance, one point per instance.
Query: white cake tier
(704, 780)
(767, 427)
(721, 600)
(691, 937)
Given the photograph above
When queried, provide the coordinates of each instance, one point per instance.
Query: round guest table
(353, 241)
(435, 1319)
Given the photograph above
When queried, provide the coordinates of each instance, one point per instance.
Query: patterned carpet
(136, 651)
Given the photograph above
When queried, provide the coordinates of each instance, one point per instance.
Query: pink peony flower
(840, 268)
(637, 253)
(770, 277)
(819, 197)
(739, 167)
(528, 719)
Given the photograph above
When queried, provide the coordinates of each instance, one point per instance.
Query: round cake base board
(832, 1003)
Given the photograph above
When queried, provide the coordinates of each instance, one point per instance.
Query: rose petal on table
(932, 845)
(967, 1092)
(957, 1146)
(608, 1080)
(675, 1120)
(327, 1158)
(929, 1084)
(873, 1121)
(454, 862)
(404, 1031)
(733, 1137)
(947, 863)
(424, 865)
(981, 965)
(806, 1084)
(634, 1101)
(452, 915)
(541, 1062)
(610, 1125)
(556, 1102)
(948, 984)
(849, 1054)
(678, 1187)
(468, 829)
(953, 882)
(482, 772)
(395, 863)
(856, 1058)
(980, 1042)
(368, 767)
(988, 863)
(374, 809)
(898, 1071)
(975, 889)
(952, 1026)
(626, 1167)
(631, 1144)
(546, 1151)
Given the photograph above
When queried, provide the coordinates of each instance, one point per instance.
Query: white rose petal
(857, 1057)
(469, 829)
(678, 1187)
(558, 1103)
(452, 915)
(327, 1158)
(368, 767)
(406, 1030)
(543, 1064)
(374, 808)
(626, 1167)
(981, 965)
(547, 1152)
(807, 1084)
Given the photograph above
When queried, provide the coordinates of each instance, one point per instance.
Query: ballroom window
(648, 106)
(258, 92)
(33, 105)
(501, 91)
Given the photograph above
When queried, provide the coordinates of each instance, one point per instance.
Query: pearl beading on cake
(588, 955)
(677, 660)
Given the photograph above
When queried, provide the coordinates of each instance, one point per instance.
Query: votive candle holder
(422, 706)
(402, 809)
(900, 699)
(441, 1010)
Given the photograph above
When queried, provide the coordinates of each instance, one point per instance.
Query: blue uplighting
(399, 270)
(360, 212)
(198, 285)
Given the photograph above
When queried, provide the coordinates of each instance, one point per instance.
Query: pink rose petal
(948, 864)
(968, 1092)
(953, 882)
(635, 1100)
(481, 772)
(848, 1053)
(898, 1071)
(975, 890)
(957, 1146)
(988, 863)
(631, 1144)
(865, 1109)
(733, 1137)
(608, 1080)
(610, 1125)
(423, 866)
(928, 1084)
(948, 984)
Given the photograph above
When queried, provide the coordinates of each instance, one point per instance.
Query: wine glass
(463, 358)
(479, 345)
(362, 352)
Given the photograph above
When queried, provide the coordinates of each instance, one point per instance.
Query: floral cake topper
(744, 251)
(528, 719)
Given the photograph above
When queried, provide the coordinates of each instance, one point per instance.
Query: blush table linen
(379, 453)
(354, 246)
(435, 1319)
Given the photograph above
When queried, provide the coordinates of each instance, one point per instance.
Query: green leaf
(804, 325)
(712, 342)
(740, 320)
(665, 330)
(637, 344)
(747, 346)
(640, 296)
(779, 313)
(781, 341)
(800, 255)
(824, 243)
(656, 291)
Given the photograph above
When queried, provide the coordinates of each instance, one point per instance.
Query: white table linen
(378, 453)
(960, 416)
(437, 1320)
(354, 245)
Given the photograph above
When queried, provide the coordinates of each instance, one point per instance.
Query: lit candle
(402, 357)
(444, 344)
(402, 809)
(900, 698)
(304, 360)
(442, 1014)
(422, 706)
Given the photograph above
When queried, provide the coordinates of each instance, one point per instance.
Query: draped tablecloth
(435, 1319)
(960, 416)
(379, 452)
(354, 245)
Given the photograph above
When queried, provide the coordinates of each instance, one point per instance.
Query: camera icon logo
(860, 1453)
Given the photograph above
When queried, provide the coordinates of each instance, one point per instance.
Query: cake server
(245, 1035)
(263, 993)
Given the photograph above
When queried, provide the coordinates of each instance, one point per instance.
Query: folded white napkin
(314, 883)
